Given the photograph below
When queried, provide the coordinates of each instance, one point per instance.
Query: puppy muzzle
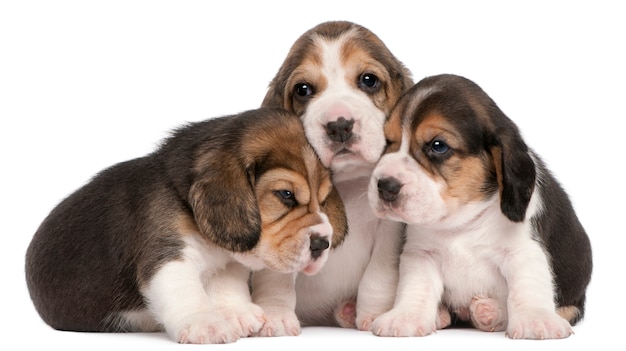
(318, 245)
(340, 130)
(388, 189)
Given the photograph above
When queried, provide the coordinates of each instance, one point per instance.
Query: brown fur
(488, 155)
(364, 53)
(215, 179)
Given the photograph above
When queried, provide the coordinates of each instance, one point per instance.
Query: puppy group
(351, 197)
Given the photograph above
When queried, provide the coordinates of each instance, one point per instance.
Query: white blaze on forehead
(415, 100)
(332, 66)
(406, 141)
(339, 96)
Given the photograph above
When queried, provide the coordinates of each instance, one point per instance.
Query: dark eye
(287, 197)
(439, 147)
(369, 82)
(303, 91)
(388, 144)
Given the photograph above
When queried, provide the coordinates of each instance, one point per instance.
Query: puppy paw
(345, 314)
(225, 326)
(280, 322)
(487, 314)
(247, 319)
(204, 328)
(538, 325)
(444, 319)
(401, 323)
(366, 318)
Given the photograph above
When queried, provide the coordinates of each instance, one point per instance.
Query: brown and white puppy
(342, 81)
(167, 241)
(490, 232)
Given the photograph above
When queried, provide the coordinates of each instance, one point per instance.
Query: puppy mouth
(315, 265)
(344, 151)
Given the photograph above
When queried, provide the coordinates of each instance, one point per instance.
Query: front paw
(204, 328)
(538, 325)
(366, 313)
(280, 322)
(247, 319)
(398, 322)
(365, 319)
(211, 327)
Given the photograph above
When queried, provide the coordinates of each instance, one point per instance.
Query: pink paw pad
(487, 314)
(345, 314)
(444, 319)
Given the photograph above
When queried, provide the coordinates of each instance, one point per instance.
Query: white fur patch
(365, 264)
(356, 157)
(201, 298)
(455, 254)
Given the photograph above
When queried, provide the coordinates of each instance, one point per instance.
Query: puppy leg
(487, 314)
(377, 289)
(276, 294)
(345, 315)
(530, 304)
(229, 293)
(220, 312)
(417, 304)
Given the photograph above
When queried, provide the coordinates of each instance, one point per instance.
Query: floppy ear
(336, 213)
(275, 95)
(224, 204)
(515, 171)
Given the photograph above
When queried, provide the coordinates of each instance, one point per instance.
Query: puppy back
(85, 258)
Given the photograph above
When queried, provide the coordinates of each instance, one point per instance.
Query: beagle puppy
(342, 81)
(168, 241)
(491, 234)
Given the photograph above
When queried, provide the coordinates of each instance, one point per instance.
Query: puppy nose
(340, 130)
(318, 245)
(389, 188)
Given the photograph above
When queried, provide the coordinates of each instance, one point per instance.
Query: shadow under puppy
(167, 241)
(491, 234)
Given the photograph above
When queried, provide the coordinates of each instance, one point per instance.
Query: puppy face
(342, 81)
(265, 195)
(294, 209)
(450, 151)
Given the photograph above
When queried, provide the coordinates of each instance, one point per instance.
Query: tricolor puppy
(342, 81)
(167, 241)
(491, 234)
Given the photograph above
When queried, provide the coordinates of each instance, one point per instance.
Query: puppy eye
(303, 90)
(288, 198)
(369, 82)
(388, 143)
(439, 147)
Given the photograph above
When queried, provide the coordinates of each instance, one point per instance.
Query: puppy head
(342, 81)
(451, 149)
(261, 191)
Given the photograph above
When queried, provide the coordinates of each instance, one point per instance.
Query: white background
(85, 84)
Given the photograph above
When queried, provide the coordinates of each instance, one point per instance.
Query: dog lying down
(491, 237)
(167, 241)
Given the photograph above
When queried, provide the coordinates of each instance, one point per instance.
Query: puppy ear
(515, 170)
(275, 95)
(335, 210)
(224, 204)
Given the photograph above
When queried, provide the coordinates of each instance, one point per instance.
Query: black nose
(318, 245)
(389, 188)
(340, 130)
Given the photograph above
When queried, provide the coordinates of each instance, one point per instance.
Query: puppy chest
(468, 272)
